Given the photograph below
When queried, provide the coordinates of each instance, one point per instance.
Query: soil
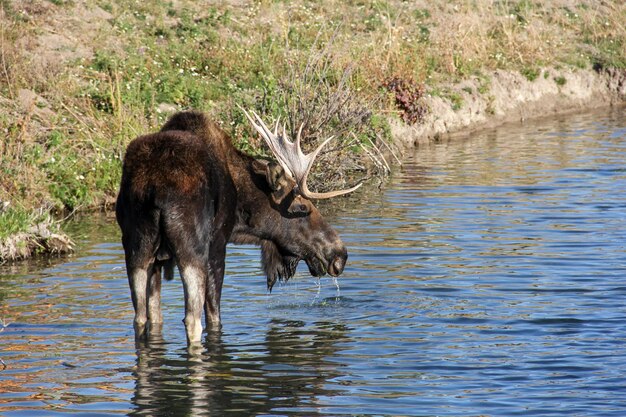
(511, 98)
(64, 37)
(42, 238)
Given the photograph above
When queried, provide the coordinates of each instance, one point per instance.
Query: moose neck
(254, 212)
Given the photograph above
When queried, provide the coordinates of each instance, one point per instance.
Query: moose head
(298, 230)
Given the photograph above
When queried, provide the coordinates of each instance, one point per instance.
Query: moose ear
(259, 166)
(279, 184)
(274, 174)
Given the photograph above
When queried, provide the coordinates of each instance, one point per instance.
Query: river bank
(512, 98)
(80, 79)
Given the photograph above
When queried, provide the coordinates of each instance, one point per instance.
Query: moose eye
(299, 208)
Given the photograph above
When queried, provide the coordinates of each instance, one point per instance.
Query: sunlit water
(486, 278)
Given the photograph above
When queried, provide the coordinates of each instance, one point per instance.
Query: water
(486, 278)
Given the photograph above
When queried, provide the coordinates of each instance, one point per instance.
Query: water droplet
(337, 285)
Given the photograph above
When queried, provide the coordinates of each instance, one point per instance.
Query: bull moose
(186, 192)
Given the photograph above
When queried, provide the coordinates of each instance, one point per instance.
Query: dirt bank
(42, 238)
(506, 97)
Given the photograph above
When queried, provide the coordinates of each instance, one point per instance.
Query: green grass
(611, 53)
(14, 221)
(17, 220)
(455, 99)
(531, 73)
(65, 153)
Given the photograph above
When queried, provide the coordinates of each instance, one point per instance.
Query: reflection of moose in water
(288, 370)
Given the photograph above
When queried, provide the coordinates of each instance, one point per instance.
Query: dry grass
(79, 79)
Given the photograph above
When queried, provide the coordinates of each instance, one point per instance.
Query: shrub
(408, 98)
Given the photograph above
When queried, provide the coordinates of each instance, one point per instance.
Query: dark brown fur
(185, 193)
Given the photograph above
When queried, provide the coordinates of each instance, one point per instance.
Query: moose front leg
(215, 280)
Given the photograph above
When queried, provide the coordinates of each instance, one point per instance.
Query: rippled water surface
(486, 278)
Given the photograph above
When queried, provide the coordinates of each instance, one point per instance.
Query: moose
(186, 192)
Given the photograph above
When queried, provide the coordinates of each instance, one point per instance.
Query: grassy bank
(80, 78)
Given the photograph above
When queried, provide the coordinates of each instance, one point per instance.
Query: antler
(290, 156)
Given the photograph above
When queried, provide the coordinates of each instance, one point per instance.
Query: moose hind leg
(140, 237)
(155, 317)
(138, 281)
(194, 282)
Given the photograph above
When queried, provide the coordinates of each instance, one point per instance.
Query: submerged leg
(140, 237)
(214, 283)
(215, 280)
(194, 283)
(138, 281)
(155, 317)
